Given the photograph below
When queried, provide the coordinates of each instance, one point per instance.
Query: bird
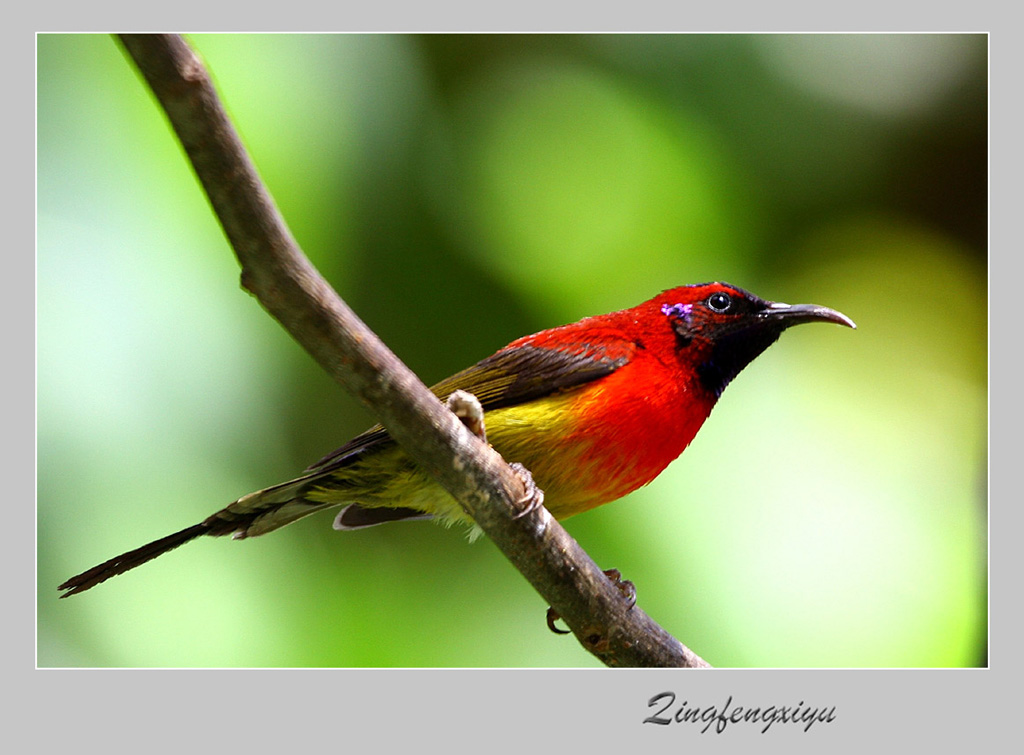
(593, 410)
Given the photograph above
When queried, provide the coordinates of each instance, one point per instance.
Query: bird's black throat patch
(731, 352)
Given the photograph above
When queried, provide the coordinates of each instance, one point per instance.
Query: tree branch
(276, 271)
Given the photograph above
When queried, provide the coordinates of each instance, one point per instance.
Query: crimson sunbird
(594, 410)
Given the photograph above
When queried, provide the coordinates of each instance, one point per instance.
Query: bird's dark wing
(518, 373)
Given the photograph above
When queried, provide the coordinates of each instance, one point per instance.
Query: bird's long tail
(131, 559)
(251, 515)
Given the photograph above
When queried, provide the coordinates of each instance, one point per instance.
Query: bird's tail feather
(251, 515)
(269, 509)
(131, 559)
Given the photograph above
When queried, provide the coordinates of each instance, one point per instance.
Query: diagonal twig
(287, 285)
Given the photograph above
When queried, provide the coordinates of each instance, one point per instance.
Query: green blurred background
(460, 191)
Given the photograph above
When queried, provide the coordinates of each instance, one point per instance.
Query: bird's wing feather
(521, 372)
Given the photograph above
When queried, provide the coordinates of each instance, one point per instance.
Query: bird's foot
(533, 497)
(467, 408)
(552, 617)
(624, 586)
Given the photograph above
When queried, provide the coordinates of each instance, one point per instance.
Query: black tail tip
(126, 561)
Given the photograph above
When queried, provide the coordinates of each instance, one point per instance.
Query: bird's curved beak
(794, 314)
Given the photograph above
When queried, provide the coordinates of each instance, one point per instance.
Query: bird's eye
(720, 301)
